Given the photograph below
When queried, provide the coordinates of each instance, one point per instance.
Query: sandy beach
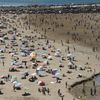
(45, 43)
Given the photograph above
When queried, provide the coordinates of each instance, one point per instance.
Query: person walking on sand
(48, 91)
(3, 63)
(91, 91)
(14, 88)
(62, 97)
(66, 84)
(95, 91)
(59, 93)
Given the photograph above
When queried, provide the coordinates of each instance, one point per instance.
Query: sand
(37, 27)
(82, 28)
(77, 91)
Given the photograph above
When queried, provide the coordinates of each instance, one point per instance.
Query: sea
(44, 2)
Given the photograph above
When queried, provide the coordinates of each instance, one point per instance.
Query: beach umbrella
(49, 57)
(45, 63)
(15, 82)
(1, 39)
(70, 64)
(13, 67)
(69, 55)
(58, 50)
(57, 54)
(33, 55)
(41, 73)
(54, 71)
(57, 75)
(40, 68)
(18, 84)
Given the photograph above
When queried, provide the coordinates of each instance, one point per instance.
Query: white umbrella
(40, 67)
(57, 75)
(69, 55)
(70, 64)
(15, 82)
(18, 84)
(49, 57)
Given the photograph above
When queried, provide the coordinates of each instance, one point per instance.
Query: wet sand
(77, 91)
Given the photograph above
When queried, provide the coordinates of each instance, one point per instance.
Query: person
(3, 63)
(83, 91)
(66, 84)
(43, 91)
(95, 91)
(59, 92)
(93, 83)
(69, 89)
(0, 92)
(14, 87)
(62, 97)
(48, 91)
(73, 98)
(91, 91)
(39, 90)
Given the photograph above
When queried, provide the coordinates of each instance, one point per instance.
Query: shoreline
(82, 89)
(57, 9)
(84, 80)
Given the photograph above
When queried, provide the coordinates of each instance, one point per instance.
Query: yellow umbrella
(33, 55)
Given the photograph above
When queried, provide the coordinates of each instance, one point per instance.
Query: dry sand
(44, 24)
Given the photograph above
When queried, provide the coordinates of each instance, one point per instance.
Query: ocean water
(43, 2)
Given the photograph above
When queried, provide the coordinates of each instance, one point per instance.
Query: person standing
(3, 63)
(66, 84)
(62, 97)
